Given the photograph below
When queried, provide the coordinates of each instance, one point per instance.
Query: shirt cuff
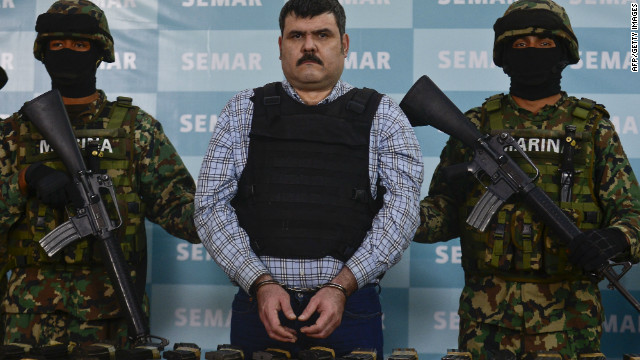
(362, 270)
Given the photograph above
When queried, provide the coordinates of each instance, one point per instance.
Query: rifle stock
(3, 78)
(56, 128)
(446, 117)
(49, 116)
(426, 104)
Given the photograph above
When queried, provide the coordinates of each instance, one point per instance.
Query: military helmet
(79, 19)
(534, 17)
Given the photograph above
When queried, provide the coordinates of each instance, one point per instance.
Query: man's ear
(345, 44)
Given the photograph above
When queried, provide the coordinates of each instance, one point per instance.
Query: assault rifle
(426, 104)
(49, 116)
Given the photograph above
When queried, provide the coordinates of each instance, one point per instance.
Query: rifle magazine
(59, 237)
(481, 215)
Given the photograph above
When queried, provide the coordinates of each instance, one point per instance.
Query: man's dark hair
(311, 8)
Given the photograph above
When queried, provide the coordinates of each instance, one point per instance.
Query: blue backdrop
(181, 60)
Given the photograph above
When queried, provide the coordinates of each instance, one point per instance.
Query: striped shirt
(394, 158)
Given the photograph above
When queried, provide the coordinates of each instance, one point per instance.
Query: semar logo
(365, 2)
(202, 3)
(123, 61)
(475, 2)
(8, 4)
(221, 61)
(6, 60)
(367, 60)
(199, 123)
(202, 318)
(111, 4)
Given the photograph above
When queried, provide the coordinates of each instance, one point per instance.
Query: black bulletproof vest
(305, 192)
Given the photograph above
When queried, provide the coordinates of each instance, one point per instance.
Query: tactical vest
(518, 246)
(305, 192)
(113, 126)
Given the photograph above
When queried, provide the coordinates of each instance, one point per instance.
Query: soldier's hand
(593, 248)
(272, 299)
(51, 185)
(329, 303)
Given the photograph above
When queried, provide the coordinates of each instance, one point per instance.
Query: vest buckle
(271, 100)
(359, 195)
(355, 107)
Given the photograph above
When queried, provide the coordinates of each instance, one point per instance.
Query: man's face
(312, 52)
(532, 41)
(73, 44)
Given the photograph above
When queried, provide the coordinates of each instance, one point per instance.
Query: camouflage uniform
(69, 296)
(521, 293)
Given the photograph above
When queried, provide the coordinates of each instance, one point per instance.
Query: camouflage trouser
(40, 329)
(483, 341)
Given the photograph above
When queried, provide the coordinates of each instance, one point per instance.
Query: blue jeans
(361, 325)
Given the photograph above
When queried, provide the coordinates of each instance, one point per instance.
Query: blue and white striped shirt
(394, 157)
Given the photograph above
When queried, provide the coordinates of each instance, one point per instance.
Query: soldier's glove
(51, 185)
(593, 249)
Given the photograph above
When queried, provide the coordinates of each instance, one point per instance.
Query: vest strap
(584, 108)
(358, 102)
(271, 100)
(493, 105)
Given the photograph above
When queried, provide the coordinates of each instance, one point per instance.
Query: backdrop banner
(181, 60)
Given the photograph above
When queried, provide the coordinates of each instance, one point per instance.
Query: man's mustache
(309, 57)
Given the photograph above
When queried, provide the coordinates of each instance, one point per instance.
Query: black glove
(51, 185)
(593, 248)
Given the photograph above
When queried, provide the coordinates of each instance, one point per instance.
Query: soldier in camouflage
(524, 290)
(69, 297)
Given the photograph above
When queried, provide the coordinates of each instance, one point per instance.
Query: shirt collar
(83, 113)
(563, 97)
(339, 89)
(546, 109)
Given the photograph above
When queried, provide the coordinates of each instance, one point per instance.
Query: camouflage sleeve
(12, 202)
(439, 210)
(616, 185)
(167, 188)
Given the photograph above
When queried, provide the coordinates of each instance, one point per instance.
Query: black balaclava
(535, 72)
(72, 72)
